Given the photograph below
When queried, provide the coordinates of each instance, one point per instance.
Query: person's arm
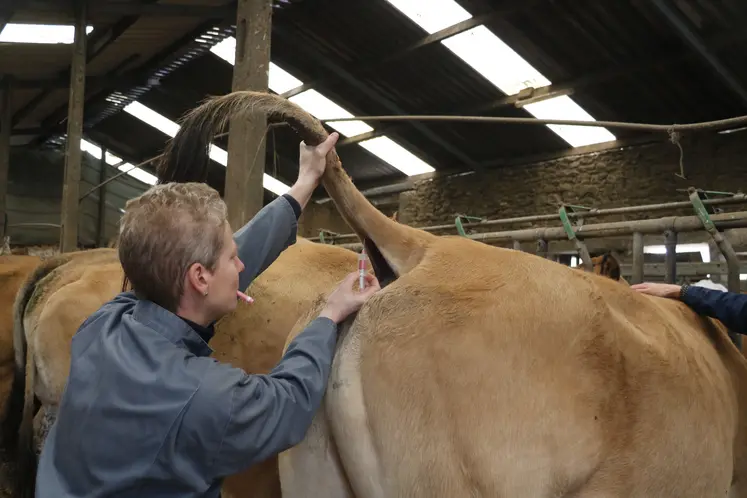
(236, 420)
(268, 234)
(267, 414)
(274, 227)
(730, 308)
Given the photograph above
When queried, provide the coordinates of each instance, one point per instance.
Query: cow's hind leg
(312, 467)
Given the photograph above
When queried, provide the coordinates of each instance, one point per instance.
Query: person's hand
(312, 160)
(345, 300)
(660, 290)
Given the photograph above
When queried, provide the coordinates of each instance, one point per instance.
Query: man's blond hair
(163, 232)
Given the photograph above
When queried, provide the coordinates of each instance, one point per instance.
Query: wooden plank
(246, 145)
(5, 118)
(71, 185)
(101, 232)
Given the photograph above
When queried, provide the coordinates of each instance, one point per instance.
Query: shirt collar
(206, 333)
(171, 326)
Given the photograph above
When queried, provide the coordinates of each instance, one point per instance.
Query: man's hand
(311, 166)
(660, 290)
(312, 160)
(344, 300)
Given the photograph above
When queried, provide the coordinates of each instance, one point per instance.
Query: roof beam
(697, 44)
(8, 8)
(573, 85)
(368, 67)
(355, 81)
(102, 8)
(98, 42)
(122, 81)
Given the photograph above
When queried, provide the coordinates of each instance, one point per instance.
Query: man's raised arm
(274, 227)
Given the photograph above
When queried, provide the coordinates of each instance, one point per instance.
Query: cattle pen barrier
(669, 226)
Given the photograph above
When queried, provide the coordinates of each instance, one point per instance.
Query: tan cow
(13, 271)
(483, 371)
(64, 291)
(608, 266)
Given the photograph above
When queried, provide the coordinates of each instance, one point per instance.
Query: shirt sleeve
(263, 415)
(730, 308)
(267, 234)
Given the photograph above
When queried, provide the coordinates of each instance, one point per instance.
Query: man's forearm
(272, 412)
(268, 234)
(729, 308)
(302, 190)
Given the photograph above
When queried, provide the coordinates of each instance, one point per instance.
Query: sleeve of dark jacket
(267, 234)
(730, 308)
(253, 417)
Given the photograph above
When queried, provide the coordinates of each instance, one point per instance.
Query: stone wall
(621, 177)
(614, 178)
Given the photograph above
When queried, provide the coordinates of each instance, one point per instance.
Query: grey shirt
(147, 413)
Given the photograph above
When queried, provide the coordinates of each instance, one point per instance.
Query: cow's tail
(393, 248)
(18, 425)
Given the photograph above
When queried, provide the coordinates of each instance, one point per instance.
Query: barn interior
(92, 91)
(119, 91)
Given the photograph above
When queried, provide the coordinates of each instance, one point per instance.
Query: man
(146, 412)
(730, 308)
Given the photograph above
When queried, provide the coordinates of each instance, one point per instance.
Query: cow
(57, 298)
(607, 265)
(13, 271)
(484, 371)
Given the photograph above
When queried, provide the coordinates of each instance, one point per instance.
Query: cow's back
(492, 371)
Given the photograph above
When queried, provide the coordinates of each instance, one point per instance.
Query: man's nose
(241, 265)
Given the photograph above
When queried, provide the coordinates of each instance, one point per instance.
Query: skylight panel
(564, 108)
(90, 148)
(396, 155)
(498, 63)
(432, 15)
(39, 33)
(170, 128)
(495, 61)
(111, 159)
(138, 173)
(323, 108)
(280, 80)
(151, 117)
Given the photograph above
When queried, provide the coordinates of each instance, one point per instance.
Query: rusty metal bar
(678, 224)
(592, 213)
(112, 178)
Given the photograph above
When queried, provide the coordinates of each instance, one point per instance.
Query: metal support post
(5, 126)
(583, 251)
(637, 258)
(670, 242)
(732, 262)
(73, 157)
(542, 248)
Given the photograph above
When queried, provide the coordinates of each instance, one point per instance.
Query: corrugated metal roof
(624, 60)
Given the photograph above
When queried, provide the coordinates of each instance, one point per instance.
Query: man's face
(224, 281)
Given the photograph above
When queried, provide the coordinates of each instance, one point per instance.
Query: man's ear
(197, 277)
